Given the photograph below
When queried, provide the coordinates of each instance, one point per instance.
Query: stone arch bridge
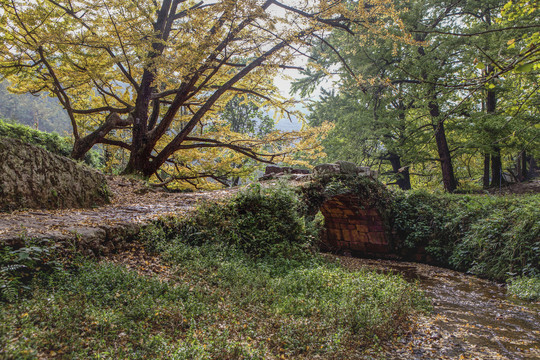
(353, 221)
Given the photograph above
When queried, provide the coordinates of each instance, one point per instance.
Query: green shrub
(259, 221)
(50, 141)
(370, 192)
(18, 266)
(526, 288)
(421, 220)
(491, 236)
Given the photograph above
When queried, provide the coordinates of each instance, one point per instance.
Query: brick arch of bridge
(352, 226)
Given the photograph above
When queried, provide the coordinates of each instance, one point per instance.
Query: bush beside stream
(497, 237)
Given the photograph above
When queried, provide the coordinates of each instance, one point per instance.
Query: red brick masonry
(351, 227)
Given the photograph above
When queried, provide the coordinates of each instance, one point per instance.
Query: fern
(10, 282)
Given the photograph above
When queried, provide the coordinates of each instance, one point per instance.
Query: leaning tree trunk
(445, 157)
(82, 145)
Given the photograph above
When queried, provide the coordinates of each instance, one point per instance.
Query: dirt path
(133, 204)
(527, 187)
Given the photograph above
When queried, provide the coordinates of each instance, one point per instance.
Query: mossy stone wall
(31, 177)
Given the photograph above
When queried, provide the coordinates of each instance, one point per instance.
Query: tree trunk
(402, 173)
(496, 167)
(447, 169)
(524, 165)
(521, 165)
(496, 163)
(485, 178)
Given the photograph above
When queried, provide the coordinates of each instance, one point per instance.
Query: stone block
(360, 237)
(375, 228)
(326, 169)
(346, 167)
(362, 228)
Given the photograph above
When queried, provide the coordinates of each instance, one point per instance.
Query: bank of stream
(472, 318)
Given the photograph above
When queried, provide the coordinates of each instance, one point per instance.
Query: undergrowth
(19, 265)
(527, 288)
(497, 237)
(262, 222)
(237, 286)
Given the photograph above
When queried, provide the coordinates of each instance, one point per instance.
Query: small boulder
(326, 169)
(343, 168)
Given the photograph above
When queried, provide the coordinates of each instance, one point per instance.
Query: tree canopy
(149, 76)
(446, 109)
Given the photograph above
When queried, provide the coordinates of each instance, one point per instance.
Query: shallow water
(472, 318)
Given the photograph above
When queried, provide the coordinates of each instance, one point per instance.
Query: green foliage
(527, 288)
(420, 219)
(18, 266)
(50, 141)
(387, 99)
(496, 237)
(259, 221)
(213, 302)
(370, 193)
(246, 117)
(89, 312)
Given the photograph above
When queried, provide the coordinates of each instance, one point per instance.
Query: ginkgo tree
(148, 76)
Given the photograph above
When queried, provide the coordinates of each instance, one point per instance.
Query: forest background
(446, 97)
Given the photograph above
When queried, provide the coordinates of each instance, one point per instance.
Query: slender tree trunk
(524, 165)
(496, 163)
(485, 178)
(521, 166)
(403, 175)
(519, 171)
(496, 167)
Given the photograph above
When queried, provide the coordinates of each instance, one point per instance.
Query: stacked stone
(275, 172)
(350, 227)
(32, 177)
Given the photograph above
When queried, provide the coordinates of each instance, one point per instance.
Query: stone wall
(349, 226)
(31, 177)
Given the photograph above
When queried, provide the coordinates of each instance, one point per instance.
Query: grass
(217, 303)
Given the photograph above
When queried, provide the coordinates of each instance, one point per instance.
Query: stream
(472, 318)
